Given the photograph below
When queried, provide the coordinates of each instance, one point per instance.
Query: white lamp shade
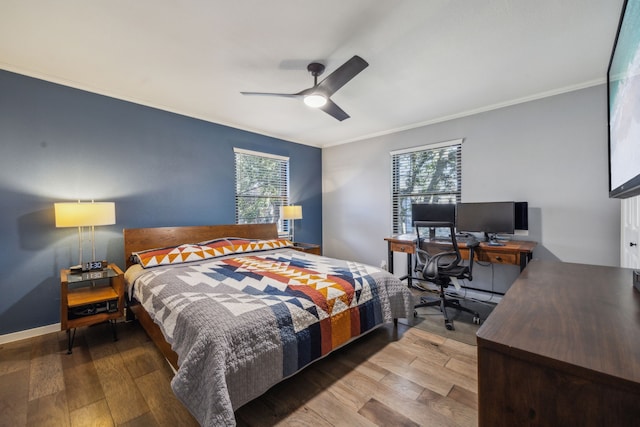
(292, 212)
(84, 214)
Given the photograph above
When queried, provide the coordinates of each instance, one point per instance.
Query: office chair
(438, 260)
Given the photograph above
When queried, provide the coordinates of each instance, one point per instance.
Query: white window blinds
(427, 174)
(262, 188)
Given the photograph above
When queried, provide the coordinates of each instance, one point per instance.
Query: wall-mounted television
(623, 93)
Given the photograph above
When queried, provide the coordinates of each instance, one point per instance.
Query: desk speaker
(636, 279)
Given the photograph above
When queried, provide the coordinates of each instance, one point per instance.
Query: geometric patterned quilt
(240, 324)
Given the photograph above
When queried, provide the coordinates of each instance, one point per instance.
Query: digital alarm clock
(89, 266)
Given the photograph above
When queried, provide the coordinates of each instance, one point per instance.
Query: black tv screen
(433, 212)
(623, 90)
(487, 217)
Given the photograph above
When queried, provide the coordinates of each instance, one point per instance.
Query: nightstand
(309, 248)
(90, 297)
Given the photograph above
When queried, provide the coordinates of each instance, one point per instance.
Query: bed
(235, 309)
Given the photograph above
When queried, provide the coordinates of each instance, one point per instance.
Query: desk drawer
(497, 257)
(403, 247)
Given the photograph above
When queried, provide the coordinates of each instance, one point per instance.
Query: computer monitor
(489, 218)
(433, 212)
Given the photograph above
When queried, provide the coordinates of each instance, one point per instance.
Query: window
(427, 174)
(262, 188)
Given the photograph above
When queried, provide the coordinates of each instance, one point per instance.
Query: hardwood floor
(400, 377)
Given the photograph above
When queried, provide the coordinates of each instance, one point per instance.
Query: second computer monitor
(488, 217)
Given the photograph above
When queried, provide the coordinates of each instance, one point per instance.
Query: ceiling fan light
(315, 100)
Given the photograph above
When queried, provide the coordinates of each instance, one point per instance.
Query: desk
(562, 349)
(514, 252)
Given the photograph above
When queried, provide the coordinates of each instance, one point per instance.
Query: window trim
(260, 153)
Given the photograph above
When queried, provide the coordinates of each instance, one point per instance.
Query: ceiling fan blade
(332, 109)
(285, 95)
(342, 75)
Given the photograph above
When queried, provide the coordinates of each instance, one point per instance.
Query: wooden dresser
(562, 348)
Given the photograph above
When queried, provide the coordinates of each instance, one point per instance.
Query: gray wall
(550, 152)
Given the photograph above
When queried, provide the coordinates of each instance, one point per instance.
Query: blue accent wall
(160, 169)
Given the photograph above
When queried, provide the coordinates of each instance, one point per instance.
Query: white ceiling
(430, 60)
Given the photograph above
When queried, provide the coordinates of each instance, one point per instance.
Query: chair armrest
(472, 247)
(473, 244)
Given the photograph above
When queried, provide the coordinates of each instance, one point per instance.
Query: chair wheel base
(476, 320)
(449, 325)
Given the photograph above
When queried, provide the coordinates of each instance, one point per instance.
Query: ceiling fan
(319, 96)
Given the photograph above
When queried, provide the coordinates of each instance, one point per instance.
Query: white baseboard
(29, 333)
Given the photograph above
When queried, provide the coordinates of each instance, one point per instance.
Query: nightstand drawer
(309, 248)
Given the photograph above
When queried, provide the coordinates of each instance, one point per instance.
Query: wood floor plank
(45, 377)
(268, 412)
(383, 415)
(365, 367)
(463, 367)
(123, 396)
(413, 334)
(414, 410)
(141, 360)
(258, 412)
(14, 396)
(351, 398)
(290, 395)
(14, 356)
(445, 375)
(438, 383)
(333, 410)
(428, 350)
(48, 344)
(464, 396)
(460, 414)
(145, 420)
(351, 378)
(460, 350)
(97, 414)
(79, 355)
(402, 385)
(303, 417)
(167, 409)
(394, 355)
(49, 410)
(82, 385)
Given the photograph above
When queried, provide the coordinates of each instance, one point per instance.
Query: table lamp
(80, 215)
(292, 213)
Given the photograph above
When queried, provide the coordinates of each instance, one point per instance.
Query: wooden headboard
(138, 239)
